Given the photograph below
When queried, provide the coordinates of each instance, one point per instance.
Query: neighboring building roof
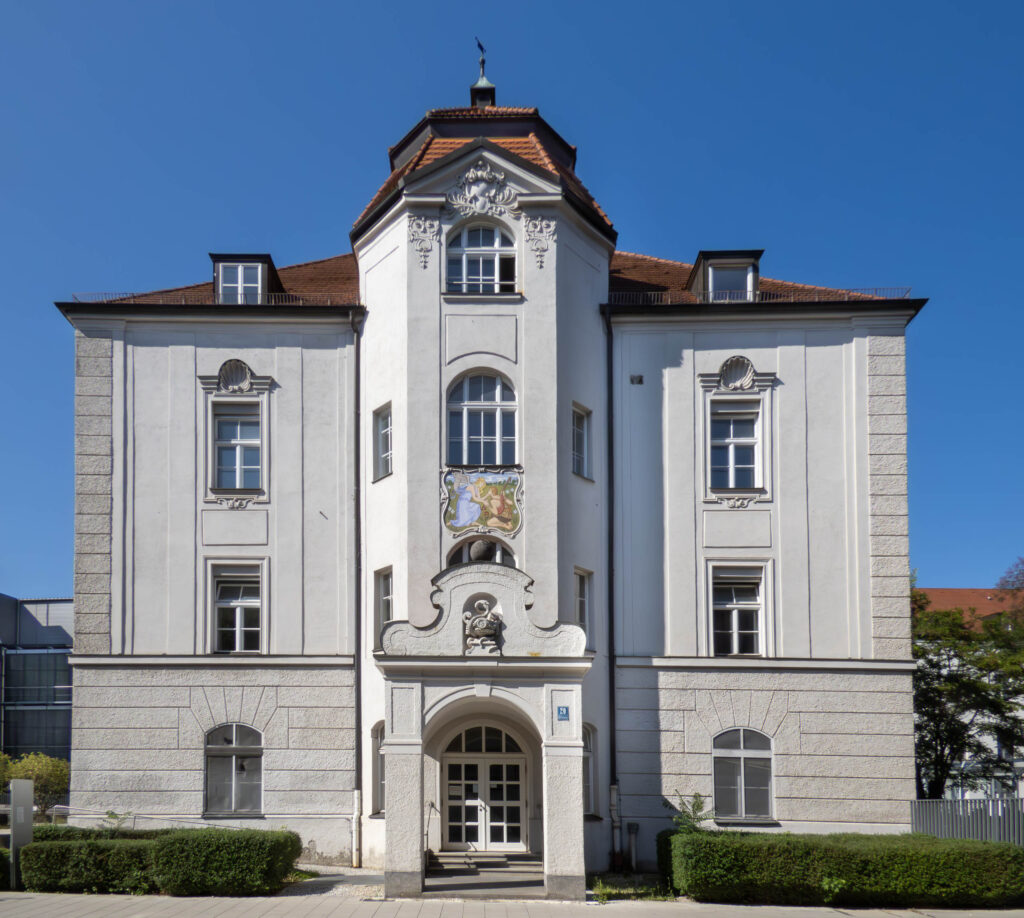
(984, 602)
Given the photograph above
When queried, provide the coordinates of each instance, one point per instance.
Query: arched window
(588, 770)
(483, 740)
(481, 259)
(479, 549)
(234, 770)
(743, 775)
(482, 421)
(378, 767)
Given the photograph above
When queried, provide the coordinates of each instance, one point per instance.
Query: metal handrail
(669, 298)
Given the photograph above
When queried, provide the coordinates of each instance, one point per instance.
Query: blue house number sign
(563, 712)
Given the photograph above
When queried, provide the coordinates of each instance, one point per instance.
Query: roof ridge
(316, 261)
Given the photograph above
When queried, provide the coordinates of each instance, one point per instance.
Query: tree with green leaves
(968, 694)
(51, 778)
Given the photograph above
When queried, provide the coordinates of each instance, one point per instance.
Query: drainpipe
(613, 790)
(356, 318)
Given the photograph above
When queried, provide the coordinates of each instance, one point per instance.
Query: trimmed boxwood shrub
(859, 870)
(89, 865)
(217, 862)
(663, 846)
(5, 868)
(48, 833)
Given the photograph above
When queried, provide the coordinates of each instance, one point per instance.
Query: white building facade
(487, 537)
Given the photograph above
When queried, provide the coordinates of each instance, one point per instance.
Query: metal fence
(995, 819)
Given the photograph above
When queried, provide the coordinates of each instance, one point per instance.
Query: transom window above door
(482, 422)
(481, 259)
(483, 740)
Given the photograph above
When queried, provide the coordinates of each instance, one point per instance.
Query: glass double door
(484, 804)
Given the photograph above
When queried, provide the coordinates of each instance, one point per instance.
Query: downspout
(356, 319)
(613, 789)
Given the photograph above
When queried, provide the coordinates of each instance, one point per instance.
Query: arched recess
(482, 773)
(481, 549)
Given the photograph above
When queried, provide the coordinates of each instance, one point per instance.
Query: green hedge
(48, 833)
(663, 846)
(94, 865)
(5, 869)
(903, 871)
(213, 862)
(181, 862)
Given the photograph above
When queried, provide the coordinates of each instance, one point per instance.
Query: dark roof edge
(735, 310)
(179, 310)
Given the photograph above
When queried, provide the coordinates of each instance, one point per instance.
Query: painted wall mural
(478, 500)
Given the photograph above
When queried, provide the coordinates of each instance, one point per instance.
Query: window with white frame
(383, 601)
(382, 442)
(377, 736)
(482, 421)
(589, 784)
(482, 550)
(737, 609)
(237, 446)
(234, 771)
(581, 600)
(481, 259)
(237, 612)
(581, 441)
(742, 775)
(730, 283)
(735, 445)
(240, 283)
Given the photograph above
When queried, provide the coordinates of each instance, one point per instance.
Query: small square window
(240, 284)
(581, 442)
(382, 442)
(730, 283)
(237, 451)
(237, 610)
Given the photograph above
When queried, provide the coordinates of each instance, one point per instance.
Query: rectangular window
(581, 598)
(735, 446)
(581, 442)
(730, 283)
(382, 442)
(237, 447)
(240, 284)
(383, 607)
(737, 609)
(237, 610)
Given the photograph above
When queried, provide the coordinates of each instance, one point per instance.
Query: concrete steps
(473, 863)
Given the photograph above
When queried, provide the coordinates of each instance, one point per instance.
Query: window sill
(584, 477)
(378, 815)
(381, 477)
(592, 817)
(245, 492)
(453, 297)
(236, 653)
(233, 816)
(747, 821)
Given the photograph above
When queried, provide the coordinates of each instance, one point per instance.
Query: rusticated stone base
(572, 888)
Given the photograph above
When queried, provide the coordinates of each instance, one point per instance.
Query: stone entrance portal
(483, 741)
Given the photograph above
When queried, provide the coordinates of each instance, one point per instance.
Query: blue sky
(860, 144)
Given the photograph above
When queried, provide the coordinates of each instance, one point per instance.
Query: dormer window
(481, 259)
(731, 282)
(240, 283)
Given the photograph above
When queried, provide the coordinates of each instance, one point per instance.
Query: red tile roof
(984, 602)
(488, 111)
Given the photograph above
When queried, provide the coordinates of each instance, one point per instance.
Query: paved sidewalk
(40, 905)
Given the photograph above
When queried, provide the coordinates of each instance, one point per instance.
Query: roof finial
(482, 92)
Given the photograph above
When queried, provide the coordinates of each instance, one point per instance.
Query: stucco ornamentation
(540, 233)
(482, 500)
(423, 233)
(736, 373)
(736, 503)
(235, 503)
(482, 192)
(483, 628)
(490, 599)
(234, 376)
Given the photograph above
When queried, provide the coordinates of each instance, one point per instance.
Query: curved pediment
(482, 612)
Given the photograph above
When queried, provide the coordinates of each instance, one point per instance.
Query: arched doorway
(484, 791)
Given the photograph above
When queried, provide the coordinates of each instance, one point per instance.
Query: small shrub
(217, 862)
(5, 869)
(904, 871)
(51, 778)
(89, 865)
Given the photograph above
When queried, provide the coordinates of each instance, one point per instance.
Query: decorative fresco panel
(479, 500)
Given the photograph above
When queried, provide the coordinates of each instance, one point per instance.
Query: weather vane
(483, 51)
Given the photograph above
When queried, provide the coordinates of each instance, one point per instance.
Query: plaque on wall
(479, 500)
